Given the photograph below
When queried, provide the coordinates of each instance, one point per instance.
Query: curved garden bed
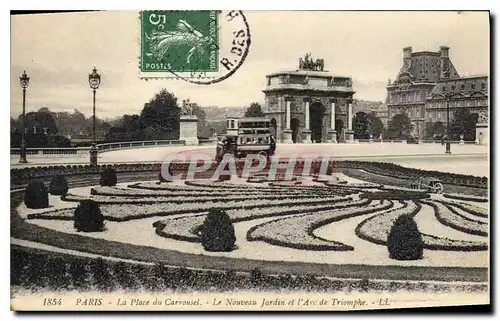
(448, 216)
(298, 231)
(376, 230)
(462, 197)
(395, 195)
(186, 228)
(126, 212)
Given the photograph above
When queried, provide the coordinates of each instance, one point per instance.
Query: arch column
(287, 132)
(349, 133)
(332, 133)
(307, 131)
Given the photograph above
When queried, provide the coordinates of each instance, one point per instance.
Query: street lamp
(447, 98)
(448, 147)
(25, 81)
(94, 82)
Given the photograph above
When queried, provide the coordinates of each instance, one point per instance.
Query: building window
(452, 87)
(473, 86)
(417, 113)
(483, 85)
(443, 89)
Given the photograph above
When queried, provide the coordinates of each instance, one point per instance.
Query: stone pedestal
(349, 137)
(287, 136)
(482, 134)
(188, 129)
(93, 155)
(332, 134)
(307, 136)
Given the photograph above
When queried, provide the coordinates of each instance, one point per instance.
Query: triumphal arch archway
(310, 104)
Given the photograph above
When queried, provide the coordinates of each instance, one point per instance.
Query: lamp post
(448, 147)
(94, 82)
(447, 98)
(24, 81)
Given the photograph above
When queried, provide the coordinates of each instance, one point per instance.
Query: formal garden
(357, 227)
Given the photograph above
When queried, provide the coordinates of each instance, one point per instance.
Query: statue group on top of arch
(309, 64)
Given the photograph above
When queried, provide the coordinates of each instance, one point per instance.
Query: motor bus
(247, 135)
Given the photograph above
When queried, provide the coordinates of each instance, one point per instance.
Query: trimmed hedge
(108, 177)
(59, 185)
(217, 233)
(88, 217)
(404, 241)
(36, 195)
(395, 195)
(22, 175)
(82, 273)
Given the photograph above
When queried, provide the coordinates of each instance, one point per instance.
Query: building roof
(425, 66)
(465, 86)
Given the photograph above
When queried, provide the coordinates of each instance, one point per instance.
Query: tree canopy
(463, 122)
(434, 129)
(255, 110)
(365, 124)
(159, 119)
(400, 126)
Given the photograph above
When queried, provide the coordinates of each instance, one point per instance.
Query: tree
(255, 110)
(163, 114)
(365, 124)
(463, 122)
(360, 125)
(434, 129)
(400, 126)
(376, 125)
(129, 128)
(40, 121)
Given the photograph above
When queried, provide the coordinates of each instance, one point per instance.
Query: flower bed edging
(466, 198)
(333, 246)
(431, 242)
(277, 211)
(451, 222)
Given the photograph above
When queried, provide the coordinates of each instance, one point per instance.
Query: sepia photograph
(244, 160)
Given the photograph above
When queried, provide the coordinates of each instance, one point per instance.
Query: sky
(58, 51)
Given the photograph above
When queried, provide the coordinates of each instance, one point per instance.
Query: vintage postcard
(216, 160)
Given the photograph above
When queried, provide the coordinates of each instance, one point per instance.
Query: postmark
(201, 47)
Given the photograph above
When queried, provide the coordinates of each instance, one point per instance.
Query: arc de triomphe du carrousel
(310, 104)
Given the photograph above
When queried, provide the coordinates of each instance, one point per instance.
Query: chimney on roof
(444, 62)
(445, 51)
(407, 52)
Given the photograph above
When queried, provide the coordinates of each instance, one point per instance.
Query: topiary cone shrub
(217, 233)
(88, 217)
(108, 177)
(36, 195)
(405, 241)
(58, 185)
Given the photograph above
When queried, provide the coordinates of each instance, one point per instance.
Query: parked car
(430, 184)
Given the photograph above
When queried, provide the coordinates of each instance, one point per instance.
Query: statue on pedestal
(186, 110)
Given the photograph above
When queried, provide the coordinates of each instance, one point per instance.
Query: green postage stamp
(179, 41)
(187, 44)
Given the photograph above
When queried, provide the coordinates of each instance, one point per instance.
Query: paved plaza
(465, 159)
